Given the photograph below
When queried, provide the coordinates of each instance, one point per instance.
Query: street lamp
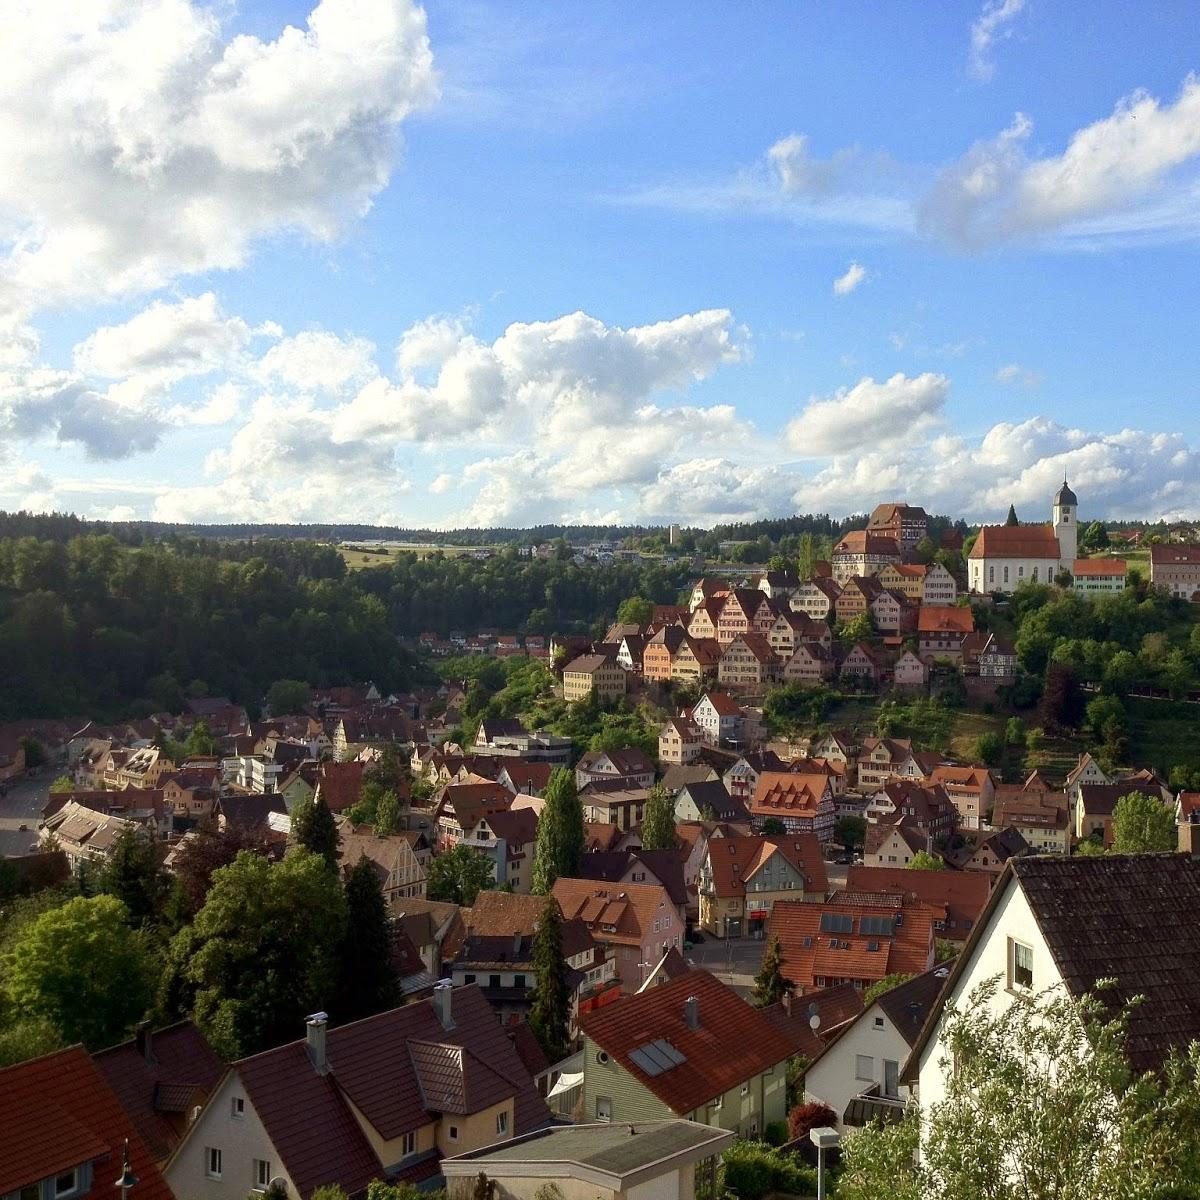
(128, 1179)
(824, 1137)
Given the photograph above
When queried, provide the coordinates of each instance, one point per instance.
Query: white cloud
(802, 174)
(993, 23)
(137, 146)
(429, 343)
(1115, 176)
(443, 483)
(316, 360)
(1014, 373)
(166, 342)
(855, 274)
(868, 413)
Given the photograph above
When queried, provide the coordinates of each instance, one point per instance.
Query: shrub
(804, 1117)
(776, 1133)
(752, 1170)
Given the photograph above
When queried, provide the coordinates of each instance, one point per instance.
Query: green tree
(770, 984)
(64, 783)
(858, 629)
(1014, 732)
(366, 976)
(924, 861)
(35, 752)
(550, 1012)
(288, 696)
(83, 969)
(989, 748)
(884, 985)
(207, 850)
(636, 610)
(1143, 824)
(28, 1038)
(850, 832)
(1011, 519)
(1062, 703)
(559, 833)
(458, 875)
(1021, 1084)
(200, 742)
(387, 814)
(261, 954)
(314, 828)
(658, 820)
(807, 556)
(133, 874)
(773, 827)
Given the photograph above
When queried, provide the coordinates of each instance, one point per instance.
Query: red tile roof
(962, 894)
(57, 1112)
(949, 618)
(789, 792)
(732, 1044)
(180, 1062)
(1016, 541)
(340, 784)
(1169, 554)
(733, 860)
(1098, 566)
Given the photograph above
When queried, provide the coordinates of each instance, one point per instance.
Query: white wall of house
(1011, 922)
(857, 1060)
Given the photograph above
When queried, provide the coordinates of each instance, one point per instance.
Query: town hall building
(1005, 556)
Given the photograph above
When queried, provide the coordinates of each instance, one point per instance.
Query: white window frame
(603, 1108)
(212, 1162)
(77, 1183)
(1015, 984)
(502, 1122)
(408, 1143)
(452, 1133)
(261, 1170)
(864, 1074)
(237, 1107)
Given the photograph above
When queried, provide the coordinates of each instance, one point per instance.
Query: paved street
(22, 805)
(735, 962)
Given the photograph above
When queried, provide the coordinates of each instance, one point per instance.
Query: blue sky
(332, 272)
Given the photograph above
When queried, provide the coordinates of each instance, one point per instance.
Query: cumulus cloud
(1113, 177)
(843, 285)
(181, 149)
(442, 483)
(317, 360)
(879, 413)
(994, 22)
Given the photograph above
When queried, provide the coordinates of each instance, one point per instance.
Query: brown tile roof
(908, 1005)
(1098, 566)
(57, 1112)
(948, 618)
(528, 777)
(732, 1045)
(611, 866)
(1030, 807)
(503, 914)
(599, 835)
(835, 1006)
(1166, 555)
(587, 664)
(733, 860)
(528, 1048)
(810, 952)
(340, 784)
(1100, 799)
(622, 913)
(962, 894)
(789, 792)
(453, 1080)
(860, 541)
(912, 837)
(150, 1077)
(724, 704)
(1016, 541)
(312, 1127)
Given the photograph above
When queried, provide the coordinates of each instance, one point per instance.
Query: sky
(503, 264)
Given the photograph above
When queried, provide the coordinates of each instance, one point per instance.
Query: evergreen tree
(367, 979)
(314, 828)
(387, 814)
(560, 832)
(549, 1017)
(658, 822)
(1011, 519)
(770, 984)
(132, 874)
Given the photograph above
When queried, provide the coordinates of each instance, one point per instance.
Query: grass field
(356, 557)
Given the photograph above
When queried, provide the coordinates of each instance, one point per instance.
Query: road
(22, 805)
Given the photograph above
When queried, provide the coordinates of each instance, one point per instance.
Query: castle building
(1005, 556)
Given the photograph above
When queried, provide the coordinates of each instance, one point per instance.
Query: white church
(1005, 556)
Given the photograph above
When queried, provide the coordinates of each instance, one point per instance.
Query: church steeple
(1065, 513)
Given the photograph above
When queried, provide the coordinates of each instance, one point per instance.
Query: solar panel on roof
(674, 1056)
(836, 923)
(644, 1063)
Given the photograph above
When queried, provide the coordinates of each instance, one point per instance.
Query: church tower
(1066, 508)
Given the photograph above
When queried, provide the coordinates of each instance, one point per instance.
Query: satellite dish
(814, 1017)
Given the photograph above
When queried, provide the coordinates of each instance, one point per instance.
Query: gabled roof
(308, 1119)
(712, 793)
(627, 761)
(141, 1072)
(588, 664)
(340, 784)
(731, 1045)
(1088, 567)
(862, 541)
(503, 914)
(734, 860)
(1174, 554)
(963, 894)
(1016, 541)
(945, 618)
(622, 913)
(836, 1006)
(57, 1112)
(613, 865)
(501, 727)
(723, 703)
(1110, 917)
(789, 793)
(908, 1005)
(1100, 799)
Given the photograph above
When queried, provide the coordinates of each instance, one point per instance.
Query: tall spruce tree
(770, 984)
(550, 1015)
(658, 823)
(560, 832)
(314, 828)
(367, 981)
(133, 874)
(1011, 519)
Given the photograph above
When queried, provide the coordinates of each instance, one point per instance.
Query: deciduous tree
(770, 984)
(458, 875)
(1143, 824)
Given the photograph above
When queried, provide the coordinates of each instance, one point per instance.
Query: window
(718, 1102)
(518, 981)
(408, 1144)
(878, 1022)
(262, 1174)
(864, 1068)
(745, 1089)
(67, 1184)
(603, 1108)
(212, 1162)
(1020, 965)
(468, 979)
(502, 1122)
(494, 981)
(452, 1133)
(237, 1107)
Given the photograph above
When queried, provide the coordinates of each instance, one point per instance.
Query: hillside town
(691, 905)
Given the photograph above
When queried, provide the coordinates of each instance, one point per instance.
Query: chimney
(787, 1003)
(442, 993)
(315, 1031)
(144, 1041)
(691, 1012)
(516, 946)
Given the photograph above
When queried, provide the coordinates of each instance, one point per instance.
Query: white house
(858, 1074)
(1072, 922)
(1005, 556)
